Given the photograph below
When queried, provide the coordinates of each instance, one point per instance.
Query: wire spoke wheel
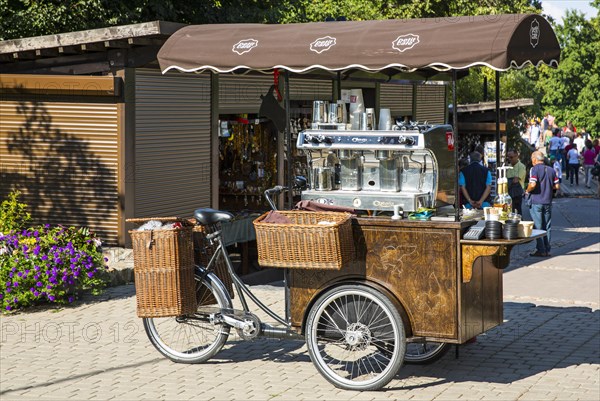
(193, 338)
(424, 352)
(355, 338)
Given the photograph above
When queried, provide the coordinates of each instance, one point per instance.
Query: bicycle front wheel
(424, 352)
(193, 338)
(355, 337)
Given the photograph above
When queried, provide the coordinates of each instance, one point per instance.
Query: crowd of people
(571, 150)
(555, 151)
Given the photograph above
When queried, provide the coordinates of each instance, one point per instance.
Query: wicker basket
(164, 270)
(305, 244)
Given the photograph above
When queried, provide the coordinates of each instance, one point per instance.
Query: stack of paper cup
(385, 120)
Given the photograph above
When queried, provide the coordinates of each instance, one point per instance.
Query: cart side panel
(493, 309)
(417, 263)
(481, 297)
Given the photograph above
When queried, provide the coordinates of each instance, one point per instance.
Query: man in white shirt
(565, 141)
(534, 134)
(579, 142)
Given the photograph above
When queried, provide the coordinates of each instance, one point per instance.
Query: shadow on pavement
(520, 253)
(532, 340)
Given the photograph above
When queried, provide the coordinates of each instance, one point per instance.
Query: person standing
(554, 145)
(589, 158)
(562, 154)
(516, 180)
(596, 144)
(534, 134)
(475, 183)
(579, 142)
(558, 170)
(573, 158)
(542, 181)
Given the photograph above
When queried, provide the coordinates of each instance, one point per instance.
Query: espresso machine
(377, 170)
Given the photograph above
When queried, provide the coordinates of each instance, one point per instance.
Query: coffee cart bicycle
(407, 282)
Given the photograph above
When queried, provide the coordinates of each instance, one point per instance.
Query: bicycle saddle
(207, 216)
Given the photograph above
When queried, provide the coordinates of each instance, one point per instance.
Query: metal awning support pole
(288, 138)
(498, 160)
(455, 129)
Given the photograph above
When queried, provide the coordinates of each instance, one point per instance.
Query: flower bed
(49, 264)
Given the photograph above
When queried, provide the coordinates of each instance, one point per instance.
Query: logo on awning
(405, 42)
(534, 33)
(244, 46)
(322, 44)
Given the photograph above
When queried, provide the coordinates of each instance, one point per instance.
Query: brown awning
(497, 41)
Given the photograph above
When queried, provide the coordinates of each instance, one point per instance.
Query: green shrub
(13, 215)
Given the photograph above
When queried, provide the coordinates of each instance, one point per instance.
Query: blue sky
(558, 8)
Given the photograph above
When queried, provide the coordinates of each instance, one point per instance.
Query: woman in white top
(573, 158)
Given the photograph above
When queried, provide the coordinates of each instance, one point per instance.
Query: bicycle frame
(241, 288)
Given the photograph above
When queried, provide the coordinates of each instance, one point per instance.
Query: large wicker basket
(306, 244)
(164, 270)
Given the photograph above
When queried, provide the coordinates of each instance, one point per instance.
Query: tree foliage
(25, 18)
(569, 92)
(572, 91)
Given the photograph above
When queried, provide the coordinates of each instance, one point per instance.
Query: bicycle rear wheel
(193, 338)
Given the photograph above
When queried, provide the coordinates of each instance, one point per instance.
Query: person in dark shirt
(475, 183)
(542, 181)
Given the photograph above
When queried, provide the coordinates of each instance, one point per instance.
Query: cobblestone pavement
(97, 349)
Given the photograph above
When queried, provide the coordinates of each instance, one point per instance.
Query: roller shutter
(310, 89)
(172, 143)
(63, 157)
(241, 94)
(397, 98)
(431, 103)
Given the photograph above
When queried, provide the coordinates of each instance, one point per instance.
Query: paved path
(547, 349)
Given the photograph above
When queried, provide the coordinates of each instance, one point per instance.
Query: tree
(25, 18)
(570, 92)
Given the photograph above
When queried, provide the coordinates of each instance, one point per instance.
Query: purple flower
(44, 257)
(36, 293)
(15, 284)
(8, 307)
(1, 296)
(70, 299)
(36, 233)
(11, 274)
(39, 284)
(20, 274)
(90, 274)
(36, 250)
(15, 300)
(51, 297)
(8, 290)
(49, 287)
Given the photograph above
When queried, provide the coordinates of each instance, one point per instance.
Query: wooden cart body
(447, 289)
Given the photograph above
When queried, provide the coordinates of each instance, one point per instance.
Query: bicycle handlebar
(269, 193)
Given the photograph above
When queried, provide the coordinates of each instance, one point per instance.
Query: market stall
(445, 287)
